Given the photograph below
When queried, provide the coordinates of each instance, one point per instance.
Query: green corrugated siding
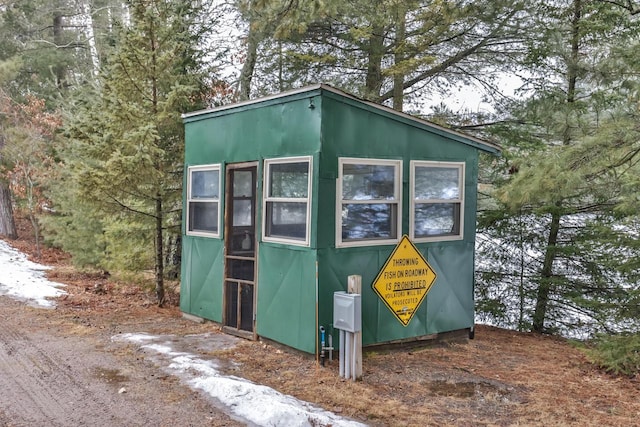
(449, 303)
(448, 306)
(201, 286)
(286, 296)
(246, 134)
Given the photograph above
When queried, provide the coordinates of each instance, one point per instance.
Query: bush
(617, 354)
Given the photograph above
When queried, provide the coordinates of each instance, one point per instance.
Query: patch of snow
(254, 403)
(25, 280)
(137, 338)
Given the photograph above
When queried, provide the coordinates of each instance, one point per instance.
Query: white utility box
(347, 311)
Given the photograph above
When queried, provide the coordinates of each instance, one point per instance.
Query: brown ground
(501, 378)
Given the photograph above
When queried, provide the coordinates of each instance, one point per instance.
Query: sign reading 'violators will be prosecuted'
(404, 280)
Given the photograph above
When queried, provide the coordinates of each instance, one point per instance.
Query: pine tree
(568, 181)
(124, 147)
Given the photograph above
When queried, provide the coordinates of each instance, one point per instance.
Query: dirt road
(53, 376)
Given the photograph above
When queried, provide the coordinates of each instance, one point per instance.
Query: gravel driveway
(53, 376)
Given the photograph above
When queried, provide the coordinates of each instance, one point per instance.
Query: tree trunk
(172, 257)
(7, 223)
(246, 75)
(521, 278)
(36, 233)
(572, 72)
(87, 16)
(159, 253)
(398, 78)
(58, 41)
(546, 281)
(373, 81)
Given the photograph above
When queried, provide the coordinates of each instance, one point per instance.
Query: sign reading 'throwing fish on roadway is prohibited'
(404, 280)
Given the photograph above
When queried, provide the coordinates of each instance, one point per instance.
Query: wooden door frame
(227, 225)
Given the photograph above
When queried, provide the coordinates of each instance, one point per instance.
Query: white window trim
(412, 201)
(397, 194)
(191, 169)
(266, 198)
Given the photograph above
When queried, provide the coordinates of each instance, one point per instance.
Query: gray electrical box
(347, 311)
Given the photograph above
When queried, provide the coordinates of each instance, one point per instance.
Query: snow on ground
(24, 280)
(255, 404)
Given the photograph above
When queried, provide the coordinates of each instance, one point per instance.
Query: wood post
(354, 286)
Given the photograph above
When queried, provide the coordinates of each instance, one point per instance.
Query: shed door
(240, 249)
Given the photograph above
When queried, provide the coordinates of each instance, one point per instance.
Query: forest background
(91, 138)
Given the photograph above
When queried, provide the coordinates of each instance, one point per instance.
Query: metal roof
(324, 89)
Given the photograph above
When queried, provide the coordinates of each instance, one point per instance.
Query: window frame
(461, 166)
(266, 198)
(397, 190)
(200, 168)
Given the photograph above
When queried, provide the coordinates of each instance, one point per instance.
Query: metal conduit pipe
(347, 353)
(341, 355)
(321, 345)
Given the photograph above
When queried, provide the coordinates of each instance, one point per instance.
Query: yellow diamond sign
(404, 280)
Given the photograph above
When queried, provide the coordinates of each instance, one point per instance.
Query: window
(287, 184)
(203, 201)
(437, 195)
(369, 210)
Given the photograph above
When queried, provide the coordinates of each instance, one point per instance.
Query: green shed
(288, 195)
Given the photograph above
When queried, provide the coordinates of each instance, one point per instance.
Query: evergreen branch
(129, 208)
(327, 42)
(628, 158)
(133, 81)
(174, 210)
(594, 207)
(487, 124)
(73, 45)
(290, 5)
(628, 6)
(172, 226)
(432, 71)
